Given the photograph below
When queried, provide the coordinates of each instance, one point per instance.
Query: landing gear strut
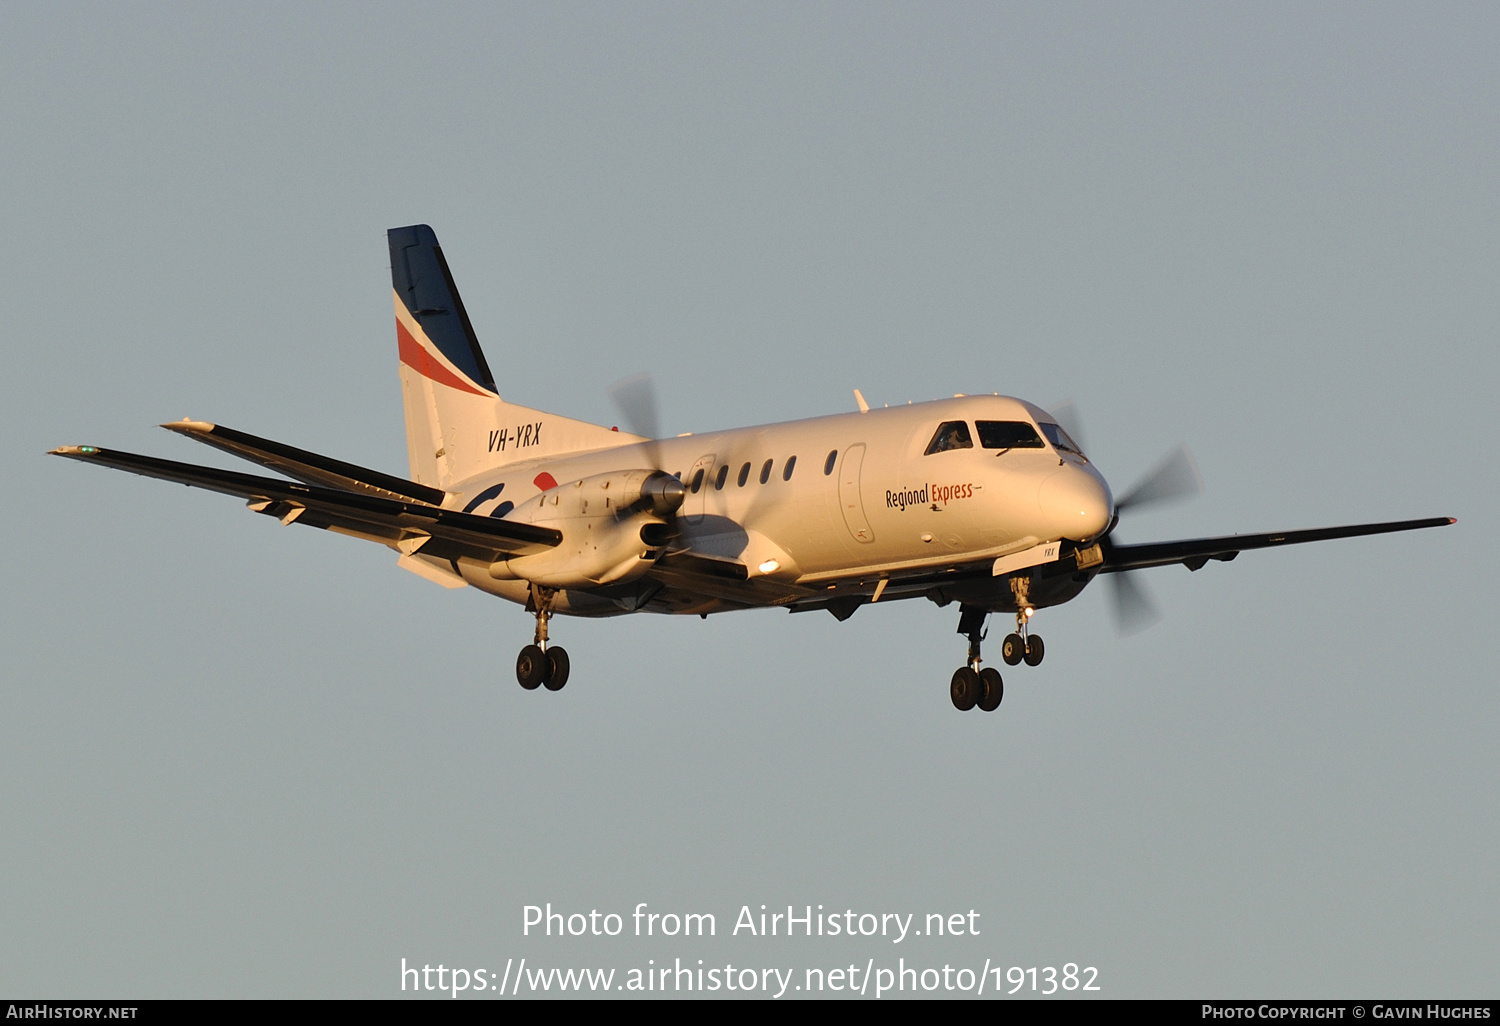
(972, 686)
(1022, 644)
(537, 664)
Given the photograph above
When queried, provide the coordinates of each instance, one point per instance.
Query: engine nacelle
(613, 526)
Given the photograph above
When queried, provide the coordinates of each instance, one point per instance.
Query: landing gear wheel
(531, 667)
(1012, 649)
(557, 668)
(1034, 650)
(964, 690)
(991, 689)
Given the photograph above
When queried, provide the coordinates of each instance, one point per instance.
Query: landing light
(1027, 612)
(770, 566)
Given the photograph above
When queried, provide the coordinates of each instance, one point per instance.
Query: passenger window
(722, 476)
(791, 464)
(952, 434)
(697, 481)
(833, 455)
(765, 471)
(1008, 434)
(744, 475)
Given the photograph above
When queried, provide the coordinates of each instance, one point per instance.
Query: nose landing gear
(1023, 644)
(537, 664)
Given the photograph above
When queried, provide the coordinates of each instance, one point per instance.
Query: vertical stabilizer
(456, 423)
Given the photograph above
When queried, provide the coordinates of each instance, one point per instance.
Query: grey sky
(242, 760)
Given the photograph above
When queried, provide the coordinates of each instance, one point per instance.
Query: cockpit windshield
(1060, 440)
(952, 434)
(1008, 434)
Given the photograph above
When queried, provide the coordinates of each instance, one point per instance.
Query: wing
(306, 466)
(1193, 553)
(405, 526)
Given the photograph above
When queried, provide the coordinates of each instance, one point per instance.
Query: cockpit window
(952, 434)
(1060, 440)
(1008, 434)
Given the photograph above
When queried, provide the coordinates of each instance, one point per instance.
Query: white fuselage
(864, 497)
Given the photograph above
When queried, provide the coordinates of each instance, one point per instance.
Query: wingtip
(1453, 520)
(73, 450)
(187, 426)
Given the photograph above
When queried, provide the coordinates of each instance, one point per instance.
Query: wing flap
(406, 525)
(1195, 552)
(724, 579)
(311, 467)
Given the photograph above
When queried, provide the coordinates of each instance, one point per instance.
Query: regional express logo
(928, 494)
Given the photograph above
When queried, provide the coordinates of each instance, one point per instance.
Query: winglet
(859, 397)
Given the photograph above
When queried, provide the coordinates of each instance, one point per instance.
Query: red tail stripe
(417, 358)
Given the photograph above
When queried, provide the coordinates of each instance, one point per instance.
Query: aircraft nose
(1076, 504)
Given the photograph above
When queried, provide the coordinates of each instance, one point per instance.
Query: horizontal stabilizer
(1193, 553)
(306, 466)
(405, 526)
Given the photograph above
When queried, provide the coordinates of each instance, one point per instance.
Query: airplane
(985, 501)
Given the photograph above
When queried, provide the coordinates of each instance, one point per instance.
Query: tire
(1012, 649)
(531, 667)
(1034, 651)
(964, 689)
(991, 689)
(557, 668)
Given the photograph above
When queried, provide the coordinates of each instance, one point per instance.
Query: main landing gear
(537, 664)
(973, 687)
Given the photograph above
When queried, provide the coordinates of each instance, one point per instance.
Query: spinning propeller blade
(1068, 418)
(1131, 604)
(1174, 477)
(635, 398)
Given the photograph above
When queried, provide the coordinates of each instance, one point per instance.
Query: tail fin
(456, 423)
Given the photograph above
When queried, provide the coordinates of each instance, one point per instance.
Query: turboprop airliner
(984, 502)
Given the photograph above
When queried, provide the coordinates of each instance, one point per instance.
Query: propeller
(635, 398)
(1173, 478)
(1131, 605)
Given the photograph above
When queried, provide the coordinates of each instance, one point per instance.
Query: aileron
(302, 465)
